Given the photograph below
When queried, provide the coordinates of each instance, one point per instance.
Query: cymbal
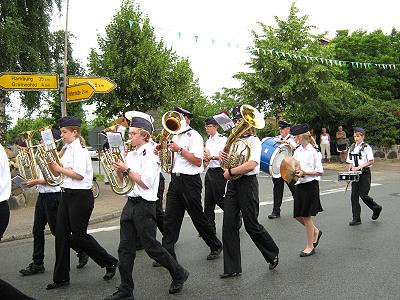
(288, 169)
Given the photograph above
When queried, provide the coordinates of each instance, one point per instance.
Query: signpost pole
(63, 93)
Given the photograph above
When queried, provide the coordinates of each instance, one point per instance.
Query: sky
(224, 21)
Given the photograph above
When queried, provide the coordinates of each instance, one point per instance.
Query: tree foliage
(147, 73)
(321, 95)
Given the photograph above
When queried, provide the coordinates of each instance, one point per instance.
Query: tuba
(108, 157)
(45, 155)
(237, 149)
(173, 122)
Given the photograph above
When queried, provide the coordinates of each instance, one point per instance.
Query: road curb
(94, 220)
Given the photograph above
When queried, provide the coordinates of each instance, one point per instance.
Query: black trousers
(73, 216)
(4, 217)
(184, 193)
(138, 219)
(359, 190)
(45, 213)
(279, 185)
(242, 196)
(8, 292)
(214, 185)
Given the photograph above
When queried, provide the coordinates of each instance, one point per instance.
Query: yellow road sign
(79, 92)
(28, 81)
(101, 84)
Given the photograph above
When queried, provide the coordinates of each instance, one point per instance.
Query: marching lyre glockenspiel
(349, 176)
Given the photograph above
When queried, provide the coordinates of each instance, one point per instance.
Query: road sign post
(101, 84)
(28, 81)
(79, 92)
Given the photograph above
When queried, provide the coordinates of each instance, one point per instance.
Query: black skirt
(306, 199)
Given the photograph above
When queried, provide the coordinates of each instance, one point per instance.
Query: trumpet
(238, 150)
(173, 122)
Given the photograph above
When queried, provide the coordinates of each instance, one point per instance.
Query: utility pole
(63, 88)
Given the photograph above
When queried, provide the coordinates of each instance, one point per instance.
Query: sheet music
(19, 181)
(115, 139)
(224, 121)
(48, 139)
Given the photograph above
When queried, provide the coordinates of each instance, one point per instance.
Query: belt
(66, 190)
(135, 199)
(181, 174)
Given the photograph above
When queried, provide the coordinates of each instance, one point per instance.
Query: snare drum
(349, 176)
(272, 154)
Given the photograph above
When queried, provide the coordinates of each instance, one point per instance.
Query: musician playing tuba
(242, 196)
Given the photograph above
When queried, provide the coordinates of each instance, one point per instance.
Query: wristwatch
(126, 172)
(180, 151)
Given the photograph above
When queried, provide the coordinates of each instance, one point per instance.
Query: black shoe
(274, 216)
(229, 275)
(110, 271)
(274, 263)
(83, 260)
(32, 269)
(214, 254)
(304, 254)
(376, 213)
(120, 295)
(156, 264)
(177, 285)
(57, 285)
(317, 242)
(354, 222)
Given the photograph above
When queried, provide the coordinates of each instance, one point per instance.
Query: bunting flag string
(329, 61)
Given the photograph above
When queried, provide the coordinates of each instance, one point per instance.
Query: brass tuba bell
(173, 122)
(237, 149)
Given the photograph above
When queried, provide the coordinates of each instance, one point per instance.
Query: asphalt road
(361, 262)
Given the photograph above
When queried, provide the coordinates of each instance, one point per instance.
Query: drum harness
(356, 157)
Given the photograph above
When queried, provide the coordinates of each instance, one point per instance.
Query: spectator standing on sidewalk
(325, 142)
(5, 191)
(341, 144)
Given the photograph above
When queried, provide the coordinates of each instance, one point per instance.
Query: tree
(147, 73)
(24, 40)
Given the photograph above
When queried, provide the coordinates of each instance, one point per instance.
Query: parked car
(93, 152)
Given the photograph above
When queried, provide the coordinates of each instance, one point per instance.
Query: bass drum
(272, 154)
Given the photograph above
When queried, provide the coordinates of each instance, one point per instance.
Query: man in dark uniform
(215, 182)
(283, 137)
(360, 158)
(184, 191)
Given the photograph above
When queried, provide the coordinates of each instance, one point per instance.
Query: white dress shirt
(192, 142)
(215, 144)
(254, 144)
(5, 182)
(310, 160)
(287, 139)
(78, 159)
(366, 154)
(45, 188)
(144, 162)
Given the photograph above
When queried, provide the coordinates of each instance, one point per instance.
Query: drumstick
(347, 185)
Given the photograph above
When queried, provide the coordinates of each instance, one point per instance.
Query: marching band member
(184, 191)
(306, 199)
(361, 158)
(283, 137)
(45, 213)
(138, 217)
(242, 195)
(215, 182)
(5, 191)
(76, 206)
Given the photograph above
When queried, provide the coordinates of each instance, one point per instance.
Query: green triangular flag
(130, 23)
(212, 41)
(179, 35)
(196, 37)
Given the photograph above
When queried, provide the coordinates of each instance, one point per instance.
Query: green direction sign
(28, 81)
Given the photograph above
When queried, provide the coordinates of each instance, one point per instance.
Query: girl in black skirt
(306, 198)
(76, 206)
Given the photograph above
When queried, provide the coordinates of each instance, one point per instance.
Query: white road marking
(220, 211)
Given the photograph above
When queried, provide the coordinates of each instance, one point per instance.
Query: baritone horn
(26, 157)
(119, 185)
(237, 149)
(173, 122)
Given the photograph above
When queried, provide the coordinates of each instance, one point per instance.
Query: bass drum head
(283, 151)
